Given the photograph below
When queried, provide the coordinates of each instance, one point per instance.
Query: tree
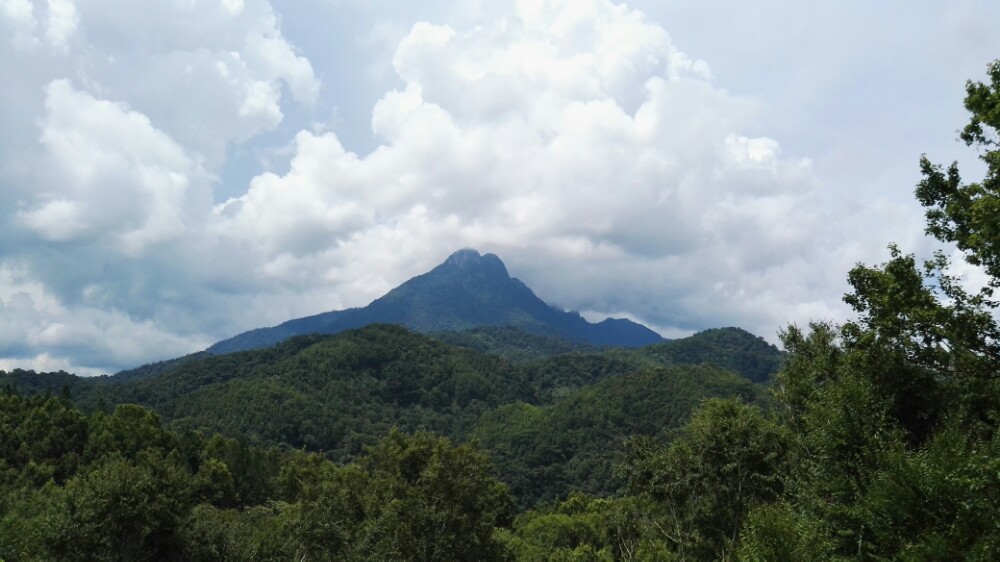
(124, 510)
(431, 500)
(896, 413)
(728, 458)
(966, 214)
(410, 498)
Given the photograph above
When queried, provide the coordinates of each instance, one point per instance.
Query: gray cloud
(616, 171)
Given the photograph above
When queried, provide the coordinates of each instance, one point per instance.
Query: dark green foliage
(41, 438)
(880, 441)
(122, 510)
(154, 369)
(966, 214)
(338, 394)
(729, 348)
(701, 487)
(335, 394)
(128, 431)
(545, 452)
(562, 376)
(255, 534)
(113, 487)
(139, 491)
(513, 344)
(897, 413)
(60, 382)
(554, 424)
(423, 483)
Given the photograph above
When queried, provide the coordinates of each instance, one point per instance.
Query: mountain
(468, 290)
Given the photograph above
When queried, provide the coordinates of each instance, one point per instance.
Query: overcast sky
(175, 172)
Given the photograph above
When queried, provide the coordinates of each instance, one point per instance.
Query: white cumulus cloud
(114, 174)
(577, 141)
(605, 164)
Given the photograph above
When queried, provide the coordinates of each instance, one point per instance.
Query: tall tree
(897, 412)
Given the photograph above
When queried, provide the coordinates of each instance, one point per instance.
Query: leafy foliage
(512, 344)
(339, 394)
(897, 412)
(130, 489)
(545, 452)
(728, 348)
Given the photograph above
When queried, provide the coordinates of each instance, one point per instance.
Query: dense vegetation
(879, 441)
(121, 486)
(337, 394)
(513, 344)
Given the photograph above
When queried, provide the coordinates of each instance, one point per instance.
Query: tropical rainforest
(876, 439)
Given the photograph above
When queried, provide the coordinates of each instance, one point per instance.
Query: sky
(173, 173)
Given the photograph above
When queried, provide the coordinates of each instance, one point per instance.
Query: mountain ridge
(467, 290)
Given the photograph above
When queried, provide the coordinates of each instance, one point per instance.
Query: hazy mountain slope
(466, 291)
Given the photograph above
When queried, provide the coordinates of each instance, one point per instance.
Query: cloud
(37, 331)
(19, 16)
(117, 124)
(207, 73)
(62, 24)
(604, 164)
(115, 175)
(579, 143)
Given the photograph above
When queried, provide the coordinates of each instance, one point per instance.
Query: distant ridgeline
(468, 290)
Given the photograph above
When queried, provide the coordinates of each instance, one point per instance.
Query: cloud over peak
(575, 139)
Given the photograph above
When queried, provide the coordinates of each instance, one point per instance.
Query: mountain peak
(468, 259)
(464, 255)
(468, 290)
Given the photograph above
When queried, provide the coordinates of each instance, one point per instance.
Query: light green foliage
(127, 431)
(578, 529)
(123, 510)
(410, 498)
(29, 516)
(727, 459)
(778, 532)
(255, 534)
(897, 412)
(432, 500)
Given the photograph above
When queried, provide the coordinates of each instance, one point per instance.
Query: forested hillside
(338, 394)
